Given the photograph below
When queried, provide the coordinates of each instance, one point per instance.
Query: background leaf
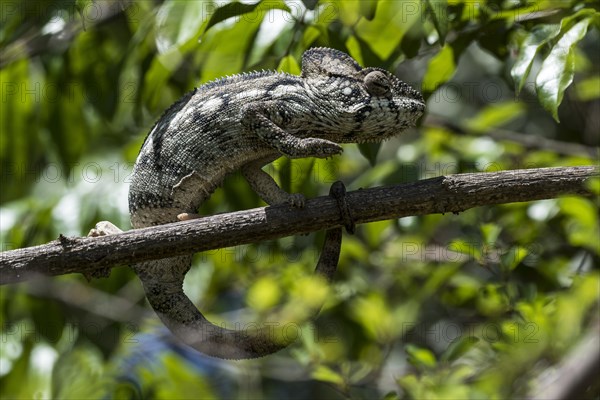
(441, 68)
(539, 36)
(557, 70)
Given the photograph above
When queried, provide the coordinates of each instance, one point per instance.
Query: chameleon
(242, 123)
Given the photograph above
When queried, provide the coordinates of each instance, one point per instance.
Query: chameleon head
(360, 104)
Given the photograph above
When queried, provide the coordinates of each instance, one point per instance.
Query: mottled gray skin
(241, 123)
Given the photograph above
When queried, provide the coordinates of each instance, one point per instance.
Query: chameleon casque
(241, 123)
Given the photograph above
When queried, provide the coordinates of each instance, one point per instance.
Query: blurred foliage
(475, 305)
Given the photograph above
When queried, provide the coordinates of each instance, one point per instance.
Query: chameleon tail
(182, 317)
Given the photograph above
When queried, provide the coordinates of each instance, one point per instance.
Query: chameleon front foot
(102, 228)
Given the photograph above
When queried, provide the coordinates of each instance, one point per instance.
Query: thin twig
(528, 141)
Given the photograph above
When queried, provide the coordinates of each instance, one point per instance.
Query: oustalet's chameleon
(241, 123)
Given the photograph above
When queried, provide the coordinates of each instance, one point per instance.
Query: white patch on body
(211, 105)
(252, 93)
(282, 90)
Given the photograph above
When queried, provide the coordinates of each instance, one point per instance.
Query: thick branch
(444, 194)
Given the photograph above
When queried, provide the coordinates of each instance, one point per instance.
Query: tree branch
(576, 376)
(443, 194)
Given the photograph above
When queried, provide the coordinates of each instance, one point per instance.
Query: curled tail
(163, 280)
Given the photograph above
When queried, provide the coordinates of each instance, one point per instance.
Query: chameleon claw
(104, 228)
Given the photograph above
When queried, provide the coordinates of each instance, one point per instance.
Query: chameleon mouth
(415, 105)
(413, 109)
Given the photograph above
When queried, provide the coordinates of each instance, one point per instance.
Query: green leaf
(263, 294)
(464, 247)
(439, 13)
(441, 68)
(411, 42)
(384, 33)
(511, 259)
(495, 114)
(80, 6)
(539, 36)
(78, 373)
(490, 233)
(588, 89)
(177, 23)
(581, 225)
(367, 8)
(567, 22)
(236, 9)
(229, 47)
(290, 65)
(556, 73)
(459, 347)
(326, 374)
(492, 301)
(419, 357)
(369, 151)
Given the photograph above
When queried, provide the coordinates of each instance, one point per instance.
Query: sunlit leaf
(588, 89)
(229, 47)
(420, 357)
(17, 149)
(582, 225)
(373, 313)
(79, 374)
(495, 115)
(440, 276)
(290, 65)
(440, 69)
(177, 23)
(326, 374)
(309, 291)
(384, 32)
(593, 184)
(264, 293)
(492, 301)
(490, 233)
(515, 255)
(557, 70)
(236, 9)
(537, 38)
(464, 247)
(180, 381)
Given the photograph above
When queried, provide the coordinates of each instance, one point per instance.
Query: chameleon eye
(377, 84)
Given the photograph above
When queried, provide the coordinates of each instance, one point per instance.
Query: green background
(475, 305)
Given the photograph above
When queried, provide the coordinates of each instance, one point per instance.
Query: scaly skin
(242, 123)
